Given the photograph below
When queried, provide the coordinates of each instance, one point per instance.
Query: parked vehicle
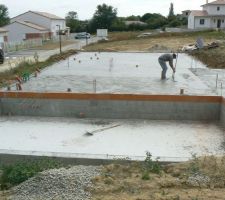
(82, 35)
(1, 56)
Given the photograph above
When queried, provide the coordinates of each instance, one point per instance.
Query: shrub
(150, 165)
(20, 172)
(194, 165)
(145, 176)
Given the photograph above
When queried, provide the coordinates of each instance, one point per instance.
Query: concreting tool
(91, 133)
(173, 76)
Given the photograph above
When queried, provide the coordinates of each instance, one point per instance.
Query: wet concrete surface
(170, 140)
(137, 73)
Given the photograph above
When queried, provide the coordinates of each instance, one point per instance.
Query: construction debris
(200, 45)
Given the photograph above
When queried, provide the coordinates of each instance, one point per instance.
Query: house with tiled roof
(212, 15)
(33, 25)
(3, 36)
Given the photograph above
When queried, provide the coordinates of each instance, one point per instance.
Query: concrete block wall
(124, 106)
(222, 118)
(1, 106)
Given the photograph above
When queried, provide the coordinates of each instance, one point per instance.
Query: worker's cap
(174, 55)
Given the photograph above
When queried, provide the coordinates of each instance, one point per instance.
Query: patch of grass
(15, 174)
(150, 166)
(145, 176)
(194, 165)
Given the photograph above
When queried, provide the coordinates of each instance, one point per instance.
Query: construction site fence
(16, 46)
(27, 44)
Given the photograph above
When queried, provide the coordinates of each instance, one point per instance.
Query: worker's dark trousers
(164, 68)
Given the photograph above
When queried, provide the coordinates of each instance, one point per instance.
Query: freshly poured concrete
(122, 73)
(171, 140)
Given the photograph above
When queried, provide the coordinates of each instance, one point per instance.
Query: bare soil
(198, 179)
(173, 183)
(4, 195)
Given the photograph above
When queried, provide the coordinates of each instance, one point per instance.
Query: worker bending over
(162, 61)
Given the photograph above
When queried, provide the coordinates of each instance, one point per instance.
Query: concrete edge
(223, 100)
(122, 97)
(10, 157)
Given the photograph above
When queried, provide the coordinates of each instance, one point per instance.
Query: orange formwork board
(119, 97)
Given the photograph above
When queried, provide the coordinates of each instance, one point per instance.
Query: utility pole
(86, 34)
(60, 39)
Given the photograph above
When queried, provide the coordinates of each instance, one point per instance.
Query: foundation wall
(223, 112)
(119, 106)
(1, 106)
(9, 158)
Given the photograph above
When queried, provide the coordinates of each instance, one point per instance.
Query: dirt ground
(200, 179)
(167, 42)
(3, 195)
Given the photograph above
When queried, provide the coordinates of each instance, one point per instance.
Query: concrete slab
(137, 73)
(170, 140)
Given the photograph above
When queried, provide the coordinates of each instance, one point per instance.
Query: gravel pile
(58, 184)
(198, 180)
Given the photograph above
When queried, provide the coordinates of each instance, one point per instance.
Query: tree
(151, 16)
(4, 15)
(171, 11)
(118, 25)
(156, 22)
(133, 18)
(104, 17)
(72, 21)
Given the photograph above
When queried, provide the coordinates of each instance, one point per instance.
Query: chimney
(207, 1)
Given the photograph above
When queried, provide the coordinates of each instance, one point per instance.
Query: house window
(222, 20)
(202, 21)
(214, 21)
(218, 8)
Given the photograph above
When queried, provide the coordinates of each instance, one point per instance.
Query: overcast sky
(86, 8)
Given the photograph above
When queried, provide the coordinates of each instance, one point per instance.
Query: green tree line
(106, 17)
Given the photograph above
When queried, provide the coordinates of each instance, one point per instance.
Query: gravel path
(58, 184)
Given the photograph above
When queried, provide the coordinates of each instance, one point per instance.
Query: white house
(186, 13)
(33, 24)
(20, 31)
(47, 20)
(212, 15)
(3, 35)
